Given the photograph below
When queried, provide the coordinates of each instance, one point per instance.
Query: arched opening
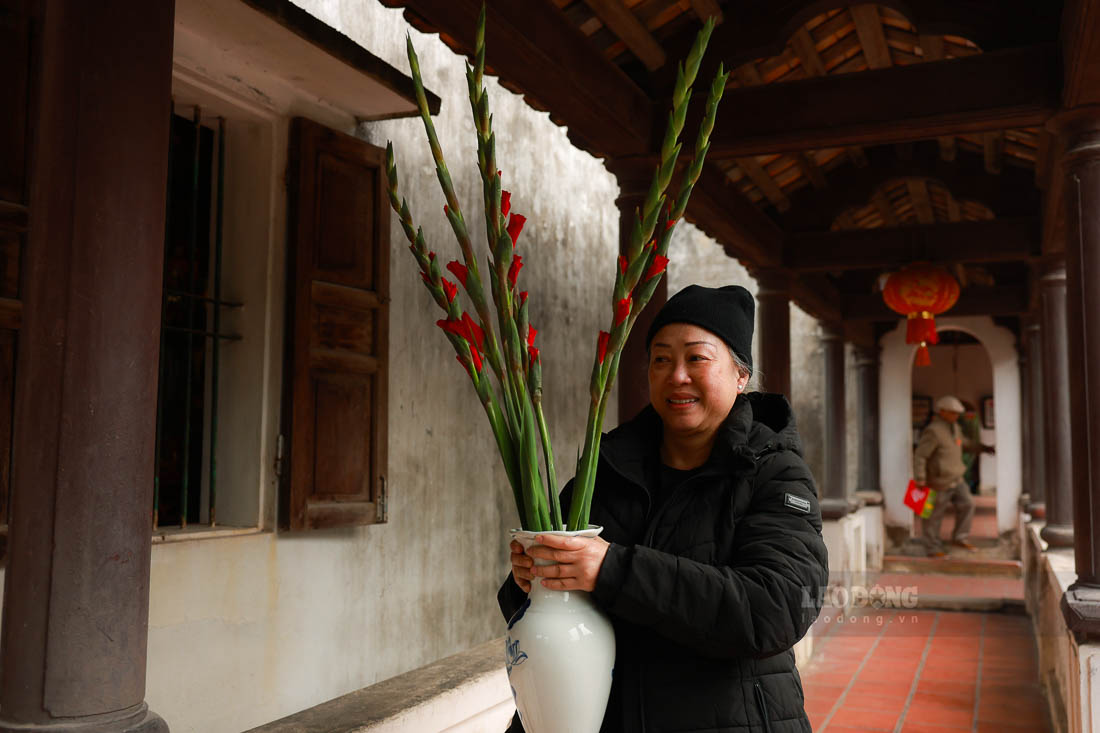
(895, 419)
(961, 367)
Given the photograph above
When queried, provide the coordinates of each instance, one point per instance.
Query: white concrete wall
(249, 628)
(895, 380)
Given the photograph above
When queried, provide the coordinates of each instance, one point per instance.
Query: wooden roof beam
(954, 211)
(803, 44)
(1012, 193)
(993, 145)
(997, 240)
(763, 29)
(885, 208)
(718, 208)
(1001, 300)
(871, 38)
(980, 93)
(707, 9)
(933, 48)
(533, 46)
(763, 180)
(922, 203)
(1081, 44)
(811, 170)
(623, 23)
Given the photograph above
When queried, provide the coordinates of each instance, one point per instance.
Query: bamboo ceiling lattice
(846, 40)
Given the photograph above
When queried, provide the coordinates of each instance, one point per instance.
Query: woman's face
(693, 380)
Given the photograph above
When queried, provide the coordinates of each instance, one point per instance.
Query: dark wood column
(773, 327)
(834, 494)
(1056, 406)
(76, 596)
(1034, 448)
(1081, 164)
(867, 375)
(634, 176)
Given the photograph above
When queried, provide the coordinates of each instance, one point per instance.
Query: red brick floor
(924, 672)
(958, 586)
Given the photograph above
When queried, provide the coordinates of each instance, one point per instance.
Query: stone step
(953, 565)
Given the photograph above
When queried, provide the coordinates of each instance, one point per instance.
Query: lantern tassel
(924, 358)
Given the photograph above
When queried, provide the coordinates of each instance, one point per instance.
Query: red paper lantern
(921, 292)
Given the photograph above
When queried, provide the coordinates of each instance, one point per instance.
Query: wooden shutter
(16, 54)
(337, 331)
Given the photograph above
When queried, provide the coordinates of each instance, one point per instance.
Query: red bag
(916, 496)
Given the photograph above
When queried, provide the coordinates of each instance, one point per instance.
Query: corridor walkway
(923, 671)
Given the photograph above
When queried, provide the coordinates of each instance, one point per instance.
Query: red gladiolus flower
(533, 352)
(660, 262)
(531, 331)
(450, 289)
(601, 345)
(446, 211)
(476, 357)
(513, 271)
(622, 264)
(522, 297)
(515, 226)
(505, 202)
(669, 224)
(473, 333)
(427, 280)
(622, 310)
(431, 256)
(450, 326)
(458, 270)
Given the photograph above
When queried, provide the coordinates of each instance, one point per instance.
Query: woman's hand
(578, 561)
(521, 567)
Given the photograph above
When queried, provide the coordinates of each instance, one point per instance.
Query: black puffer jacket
(708, 596)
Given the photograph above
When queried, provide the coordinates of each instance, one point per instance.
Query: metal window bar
(193, 298)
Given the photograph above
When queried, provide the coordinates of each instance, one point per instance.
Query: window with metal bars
(192, 334)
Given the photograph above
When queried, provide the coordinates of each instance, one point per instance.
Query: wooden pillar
(76, 596)
(1056, 406)
(634, 177)
(867, 378)
(1034, 448)
(834, 494)
(1081, 165)
(773, 326)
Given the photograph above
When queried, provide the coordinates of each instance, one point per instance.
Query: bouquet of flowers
(505, 369)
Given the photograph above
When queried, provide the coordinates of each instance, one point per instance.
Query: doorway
(961, 367)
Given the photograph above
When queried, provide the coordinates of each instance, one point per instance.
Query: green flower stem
(535, 377)
(640, 257)
(670, 147)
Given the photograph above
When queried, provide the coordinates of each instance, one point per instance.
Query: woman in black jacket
(711, 559)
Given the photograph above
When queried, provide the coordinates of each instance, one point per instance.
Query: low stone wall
(1068, 671)
(464, 693)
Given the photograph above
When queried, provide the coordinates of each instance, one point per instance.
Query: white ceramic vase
(560, 655)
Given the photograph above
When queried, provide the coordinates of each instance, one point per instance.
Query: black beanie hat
(727, 312)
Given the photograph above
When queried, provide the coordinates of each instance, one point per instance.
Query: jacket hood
(758, 422)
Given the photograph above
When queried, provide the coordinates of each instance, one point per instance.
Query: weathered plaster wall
(247, 629)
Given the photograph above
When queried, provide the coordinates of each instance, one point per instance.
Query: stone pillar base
(144, 721)
(1057, 535)
(1081, 610)
(834, 508)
